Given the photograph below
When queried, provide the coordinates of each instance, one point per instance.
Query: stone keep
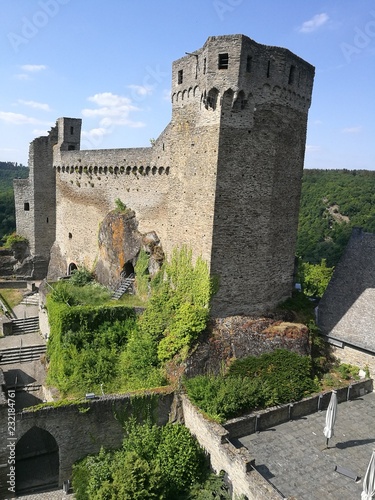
(224, 177)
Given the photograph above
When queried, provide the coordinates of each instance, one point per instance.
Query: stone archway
(37, 461)
(72, 267)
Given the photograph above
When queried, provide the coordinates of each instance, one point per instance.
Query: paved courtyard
(294, 458)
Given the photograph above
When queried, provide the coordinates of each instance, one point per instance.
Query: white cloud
(35, 105)
(314, 23)
(32, 68)
(141, 90)
(17, 118)
(113, 110)
(352, 130)
(95, 133)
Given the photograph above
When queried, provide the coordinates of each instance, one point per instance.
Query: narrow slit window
(268, 69)
(204, 65)
(249, 62)
(292, 74)
(26, 206)
(71, 130)
(180, 76)
(223, 61)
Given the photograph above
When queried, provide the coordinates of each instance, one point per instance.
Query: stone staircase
(25, 325)
(124, 286)
(31, 300)
(21, 354)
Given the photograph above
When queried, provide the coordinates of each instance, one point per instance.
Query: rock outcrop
(236, 337)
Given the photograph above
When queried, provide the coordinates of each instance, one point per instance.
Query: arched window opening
(72, 267)
(211, 100)
(240, 103)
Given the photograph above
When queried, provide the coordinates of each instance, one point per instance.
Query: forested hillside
(333, 201)
(8, 172)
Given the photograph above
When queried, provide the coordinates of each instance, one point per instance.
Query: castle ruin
(224, 177)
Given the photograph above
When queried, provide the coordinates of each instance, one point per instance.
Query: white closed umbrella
(368, 492)
(330, 417)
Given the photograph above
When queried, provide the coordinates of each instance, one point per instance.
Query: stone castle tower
(224, 177)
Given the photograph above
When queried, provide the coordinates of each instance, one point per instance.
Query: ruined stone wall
(83, 429)
(170, 187)
(35, 202)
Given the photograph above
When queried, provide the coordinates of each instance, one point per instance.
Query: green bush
(178, 309)
(154, 463)
(81, 277)
(13, 239)
(253, 382)
(141, 274)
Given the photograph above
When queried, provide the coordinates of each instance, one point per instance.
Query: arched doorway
(128, 269)
(72, 267)
(37, 461)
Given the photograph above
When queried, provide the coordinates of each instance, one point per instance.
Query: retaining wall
(259, 421)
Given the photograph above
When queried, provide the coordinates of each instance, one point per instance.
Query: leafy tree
(153, 463)
(315, 278)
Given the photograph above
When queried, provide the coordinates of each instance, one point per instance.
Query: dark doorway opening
(37, 461)
(128, 269)
(72, 267)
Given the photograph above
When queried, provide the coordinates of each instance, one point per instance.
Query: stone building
(224, 177)
(346, 312)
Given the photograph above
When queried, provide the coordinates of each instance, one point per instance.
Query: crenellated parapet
(252, 73)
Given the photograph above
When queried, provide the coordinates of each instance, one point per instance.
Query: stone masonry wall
(237, 463)
(79, 429)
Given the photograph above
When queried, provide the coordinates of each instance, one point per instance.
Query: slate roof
(347, 309)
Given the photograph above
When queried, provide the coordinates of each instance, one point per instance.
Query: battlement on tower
(237, 71)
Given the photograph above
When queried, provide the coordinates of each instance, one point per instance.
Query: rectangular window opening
(223, 61)
(292, 73)
(26, 206)
(71, 130)
(180, 76)
(249, 62)
(71, 147)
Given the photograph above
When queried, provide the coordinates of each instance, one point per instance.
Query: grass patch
(12, 296)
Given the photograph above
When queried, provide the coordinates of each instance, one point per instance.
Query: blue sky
(109, 62)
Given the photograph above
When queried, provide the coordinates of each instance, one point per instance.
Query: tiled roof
(347, 309)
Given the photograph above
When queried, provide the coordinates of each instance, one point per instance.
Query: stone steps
(123, 287)
(25, 325)
(32, 299)
(21, 354)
